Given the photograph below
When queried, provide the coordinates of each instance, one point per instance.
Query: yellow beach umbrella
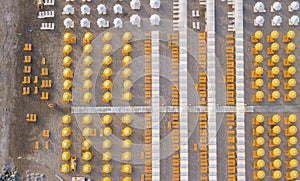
(274, 34)
(293, 174)
(291, 34)
(276, 118)
(259, 82)
(88, 48)
(126, 156)
(86, 156)
(127, 36)
(127, 84)
(127, 119)
(293, 163)
(259, 46)
(67, 61)
(65, 168)
(87, 119)
(260, 141)
(260, 118)
(87, 132)
(259, 70)
(260, 94)
(275, 70)
(127, 72)
(67, 37)
(276, 152)
(107, 131)
(291, 46)
(86, 168)
(106, 144)
(293, 152)
(127, 60)
(65, 156)
(67, 49)
(259, 58)
(127, 131)
(66, 132)
(107, 168)
(107, 156)
(88, 60)
(66, 119)
(68, 73)
(86, 144)
(88, 37)
(277, 174)
(276, 94)
(67, 97)
(275, 82)
(87, 84)
(292, 118)
(106, 179)
(292, 82)
(87, 97)
(65, 144)
(260, 163)
(260, 152)
(107, 119)
(292, 94)
(275, 46)
(127, 179)
(292, 140)
(276, 129)
(127, 168)
(127, 96)
(107, 60)
(107, 85)
(126, 143)
(261, 174)
(127, 48)
(107, 72)
(258, 34)
(292, 70)
(292, 130)
(88, 72)
(277, 163)
(107, 48)
(291, 58)
(67, 84)
(107, 36)
(275, 58)
(107, 96)
(276, 140)
(259, 129)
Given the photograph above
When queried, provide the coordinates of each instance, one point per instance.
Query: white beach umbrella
(85, 9)
(118, 23)
(155, 4)
(118, 9)
(259, 6)
(135, 20)
(277, 6)
(135, 4)
(295, 5)
(68, 23)
(260, 20)
(101, 9)
(84, 23)
(154, 19)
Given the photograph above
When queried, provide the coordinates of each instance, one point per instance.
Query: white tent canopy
(154, 19)
(68, 9)
(155, 4)
(259, 6)
(276, 6)
(84, 23)
(135, 4)
(135, 20)
(259, 20)
(85, 9)
(118, 9)
(118, 23)
(277, 20)
(294, 5)
(294, 20)
(101, 9)
(69, 23)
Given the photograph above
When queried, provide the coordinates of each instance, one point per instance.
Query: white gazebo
(85, 9)
(69, 23)
(118, 9)
(135, 20)
(154, 19)
(259, 21)
(85, 23)
(294, 6)
(102, 23)
(101, 9)
(277, 20)
(259, 7)
(135, 4)
(68, 9)
(155, 4)
(294, 20)
(118, 23)
(276, 7)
